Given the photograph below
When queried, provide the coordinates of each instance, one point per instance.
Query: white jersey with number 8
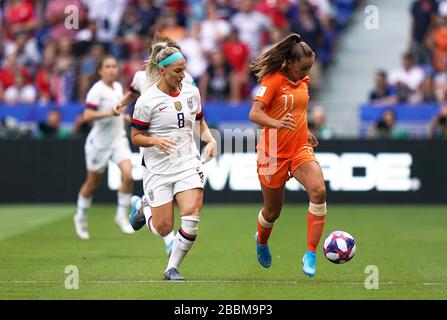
(162, 115)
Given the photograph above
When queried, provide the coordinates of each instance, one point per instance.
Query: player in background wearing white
(139, 84)
(163, 123)
(106, 141)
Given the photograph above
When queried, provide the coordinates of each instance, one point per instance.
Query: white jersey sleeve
(93, 98)
(141, 118)
(138, 84)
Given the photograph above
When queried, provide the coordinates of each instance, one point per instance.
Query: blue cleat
(263, 254)
(309, 263)
(136, 216)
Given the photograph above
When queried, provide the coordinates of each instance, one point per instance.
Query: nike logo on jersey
(162, 108)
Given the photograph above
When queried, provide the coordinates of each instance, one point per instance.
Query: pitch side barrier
(34, 171)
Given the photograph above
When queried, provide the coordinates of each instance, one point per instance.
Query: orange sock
(315, 225)
(264, 228)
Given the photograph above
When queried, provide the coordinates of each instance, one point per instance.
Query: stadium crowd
(422, 77)
(49, 49)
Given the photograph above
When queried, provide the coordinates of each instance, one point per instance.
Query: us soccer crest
(178, 105)
(190, 103)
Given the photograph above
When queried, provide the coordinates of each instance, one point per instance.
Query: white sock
(123, 204)
(184, 239)
(82, 206)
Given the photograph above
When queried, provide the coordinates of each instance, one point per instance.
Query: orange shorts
(275, 172)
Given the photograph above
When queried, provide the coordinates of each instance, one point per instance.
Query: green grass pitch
(408, 244)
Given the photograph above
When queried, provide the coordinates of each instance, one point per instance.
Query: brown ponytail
(290, 48)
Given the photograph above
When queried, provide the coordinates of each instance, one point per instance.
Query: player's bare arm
(258, 116)
(90, 115)
(141, 139)
(207, 137)
(129, 97)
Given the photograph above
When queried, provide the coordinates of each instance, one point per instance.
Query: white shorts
(96, 159)
(160, 189)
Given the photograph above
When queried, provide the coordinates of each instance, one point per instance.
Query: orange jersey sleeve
(268, 90)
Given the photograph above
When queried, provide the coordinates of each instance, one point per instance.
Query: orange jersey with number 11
(282, 96)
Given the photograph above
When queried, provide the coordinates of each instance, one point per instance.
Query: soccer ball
(339, 247)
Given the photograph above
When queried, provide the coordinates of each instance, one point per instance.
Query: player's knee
(126, 177)
(193, 209)
(271, 213)
(164, 228)
(318, 194)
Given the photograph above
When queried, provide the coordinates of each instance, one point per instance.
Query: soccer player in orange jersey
(285, 147)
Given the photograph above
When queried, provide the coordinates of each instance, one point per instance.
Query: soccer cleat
(309, 263)
(169, 247)
(81, 227)
(136, 216)
(124, 225)
(173, 275)
(263, 254)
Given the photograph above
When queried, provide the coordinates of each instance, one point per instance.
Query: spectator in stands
(423, 13)
(191, 49)
(213, 30)
(408, 78)
(25, 48)
(128, 33)
(251, 26)
(20, 91)
(148, 13)
(65, 72)
(441, 83)
(9, 69)
(52, 127)
(107, 16)
(55, 17)
(276, 11)
(19, 17)
(87, 68)
(10, 128)
(437, 42)
(438, 126)
(317, 124)
(237, 54)
(385, 127)
(308, 26)
(225, 9)
(46, 74)
(383, 93)
(169, 26)
(425, 93)
(216, 82)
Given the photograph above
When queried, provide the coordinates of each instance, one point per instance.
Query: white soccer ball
(339, 247)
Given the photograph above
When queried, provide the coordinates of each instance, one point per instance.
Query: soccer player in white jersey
(163, 123)
(139, 84)
(106, 141)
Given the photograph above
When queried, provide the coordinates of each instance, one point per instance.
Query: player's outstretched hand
(312, 140)
(210, 151)
(164, 144)
(286, 122)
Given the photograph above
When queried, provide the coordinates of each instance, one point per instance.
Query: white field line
(261, 282)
